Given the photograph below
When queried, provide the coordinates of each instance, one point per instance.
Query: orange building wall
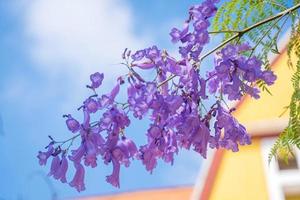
(180, 193)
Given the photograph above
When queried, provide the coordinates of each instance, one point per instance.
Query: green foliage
(237, 15)
(291, 135)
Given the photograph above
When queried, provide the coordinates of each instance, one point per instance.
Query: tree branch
(238, 34)
(242, 32)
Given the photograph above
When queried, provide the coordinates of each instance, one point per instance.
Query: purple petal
(43, 156)
(78, 180)
(72, 124)
(96, 79)
(54, 165)
(113, 179)
(91, 105)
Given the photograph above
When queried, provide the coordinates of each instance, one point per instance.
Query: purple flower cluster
(193, 41)
(236, 74)
(175, 108)
(233, 132)
(114, 148)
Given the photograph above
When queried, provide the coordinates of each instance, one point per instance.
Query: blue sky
(47, 51)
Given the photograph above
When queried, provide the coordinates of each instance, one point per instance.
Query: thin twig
(265, 34)
(224, 31)
(63, 142)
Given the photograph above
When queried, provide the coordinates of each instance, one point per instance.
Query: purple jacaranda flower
(172, 66)
(232, 91)
(154, 131)
(171, 147)
(72, 124)
(252, 91)
(104, 101)
(162, 143)
(224, 67)
(114, 119)
(250, 75)
(95, 136)
(43, 156)
(131, 147)
(186, 72)
(189, 38)
(201, 24)
(200, 140)
(184, 51)
(235, 74)
(202, 37)
(154, 54)
(121, 153)
(91, 151)
(108, 99)
(144, 63)
(91, 105)
(55, 164)
(174, 102)
(140, 96)
(78, 180)
(208, 9)
(160, 109)
(147, 59)
(96, 79)
(177, 35)
(77, 154)
(188, 130)
(253, 62)
(196, 53)
(148, 157)
(114, 92)
(194, 41)
(213, 85)
(120, 118)
(113, 179)
(234, 133)
(86, 120)
(60, 173)
(106, 121)
(269, 77)
(230, 52)
(205, 10)
(138, 55)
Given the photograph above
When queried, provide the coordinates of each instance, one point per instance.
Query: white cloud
(80, 32)
(80, 35)
(70, 39)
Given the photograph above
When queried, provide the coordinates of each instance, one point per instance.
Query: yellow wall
(240, 175)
